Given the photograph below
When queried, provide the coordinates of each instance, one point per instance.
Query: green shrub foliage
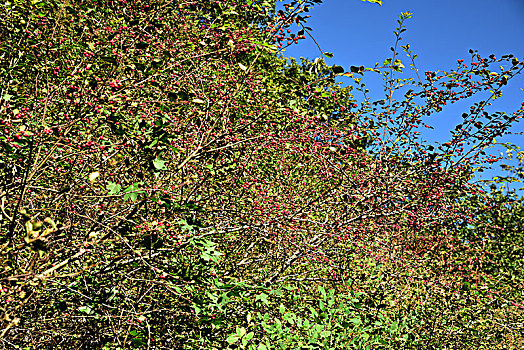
(169, 180)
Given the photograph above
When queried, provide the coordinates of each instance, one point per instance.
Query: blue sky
(440, 32)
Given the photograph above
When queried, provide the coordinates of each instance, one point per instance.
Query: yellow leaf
(93, 176)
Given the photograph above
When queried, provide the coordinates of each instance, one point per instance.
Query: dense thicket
(168, 180)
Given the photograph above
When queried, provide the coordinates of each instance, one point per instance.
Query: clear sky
(440, 32)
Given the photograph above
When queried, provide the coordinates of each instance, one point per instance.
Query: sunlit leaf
(113, 188)
(374, 1)
(159, 164)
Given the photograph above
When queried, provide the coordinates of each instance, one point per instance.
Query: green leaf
(331, 302)
(241, 331)
(132, 196)
(314, 312)
(322, 291)
(356, 321)
(289, 317)
(211, 170)
(399, 63)
(132, 191)
(196, 309)
(263, 298)
(185, 226)
(325, 334)
(233, 338)
(159, 164)
(306, 324)
(113, 188)
(86, 310)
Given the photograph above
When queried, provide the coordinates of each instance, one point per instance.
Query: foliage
(169, 180)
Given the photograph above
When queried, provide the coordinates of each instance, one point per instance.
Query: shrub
(166, 172)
